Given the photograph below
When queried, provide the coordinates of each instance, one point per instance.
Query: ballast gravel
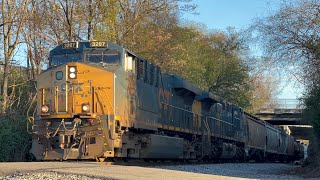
(48, 176)
(92, 170)
(241, 170)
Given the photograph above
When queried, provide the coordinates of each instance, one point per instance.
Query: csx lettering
(76, 86)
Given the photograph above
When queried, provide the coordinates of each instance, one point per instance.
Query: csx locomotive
(99, 100)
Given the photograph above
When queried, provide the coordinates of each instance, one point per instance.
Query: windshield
(65, 58)
(109, 56)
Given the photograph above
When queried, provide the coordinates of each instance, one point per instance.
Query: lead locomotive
(98, 100)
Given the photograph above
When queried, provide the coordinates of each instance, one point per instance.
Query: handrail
(73, 103)
(205, 122)
(56, 106)
(104, 104)
(182, 109)
(108, 111)
(197, 114)
(31, 118)
(108, 100)
(42, 96)
(31, 121)
(220, 120)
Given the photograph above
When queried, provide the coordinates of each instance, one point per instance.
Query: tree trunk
(90, 20)
(5, 82)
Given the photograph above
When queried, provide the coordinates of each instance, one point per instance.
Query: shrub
(15, 141)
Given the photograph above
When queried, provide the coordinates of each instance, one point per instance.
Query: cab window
(65, 58)
(109, 56)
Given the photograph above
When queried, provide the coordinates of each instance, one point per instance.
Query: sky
(240, 14)
(220, 14)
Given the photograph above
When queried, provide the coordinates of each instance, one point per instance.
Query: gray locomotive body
(205, 126)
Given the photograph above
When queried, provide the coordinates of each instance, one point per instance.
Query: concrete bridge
(287, 114)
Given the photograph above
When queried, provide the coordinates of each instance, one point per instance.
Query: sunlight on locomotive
(98, 100)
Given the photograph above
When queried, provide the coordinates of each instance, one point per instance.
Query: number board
(98, 44)
(70, 45)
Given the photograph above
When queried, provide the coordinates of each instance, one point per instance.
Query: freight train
(98, 100)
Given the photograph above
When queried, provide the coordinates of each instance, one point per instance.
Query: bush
(312, 115)
(15, 141)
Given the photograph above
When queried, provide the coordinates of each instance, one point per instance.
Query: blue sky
(239, 14)
(219, 14)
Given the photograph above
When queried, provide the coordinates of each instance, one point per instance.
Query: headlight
(72, 75)
(72, 72)
(72, 69)
(44, 109)
(85, 107)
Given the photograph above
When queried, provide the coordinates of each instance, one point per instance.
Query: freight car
(99, 100)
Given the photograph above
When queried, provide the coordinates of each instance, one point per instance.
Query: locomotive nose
(76, 89)
(77, 109)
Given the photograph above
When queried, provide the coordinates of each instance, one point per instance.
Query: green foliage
(212, 66)
(211, 61)
(312, 112)
(107, 29)
(14, 140)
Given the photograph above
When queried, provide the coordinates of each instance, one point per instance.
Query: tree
(107, 26)
(123, 21)
(262, 93)
(36, 38)
(292, 38)
(13, 17)
(212, 62)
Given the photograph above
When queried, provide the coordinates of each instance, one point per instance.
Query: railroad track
(157, 162)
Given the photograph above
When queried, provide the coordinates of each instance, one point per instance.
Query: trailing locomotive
(98, 100)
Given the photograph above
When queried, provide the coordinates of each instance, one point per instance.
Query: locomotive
(98, 100)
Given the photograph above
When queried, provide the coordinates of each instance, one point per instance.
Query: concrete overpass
(281, 116)
(287, 114)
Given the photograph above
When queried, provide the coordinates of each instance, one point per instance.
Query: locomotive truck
(98, 100)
